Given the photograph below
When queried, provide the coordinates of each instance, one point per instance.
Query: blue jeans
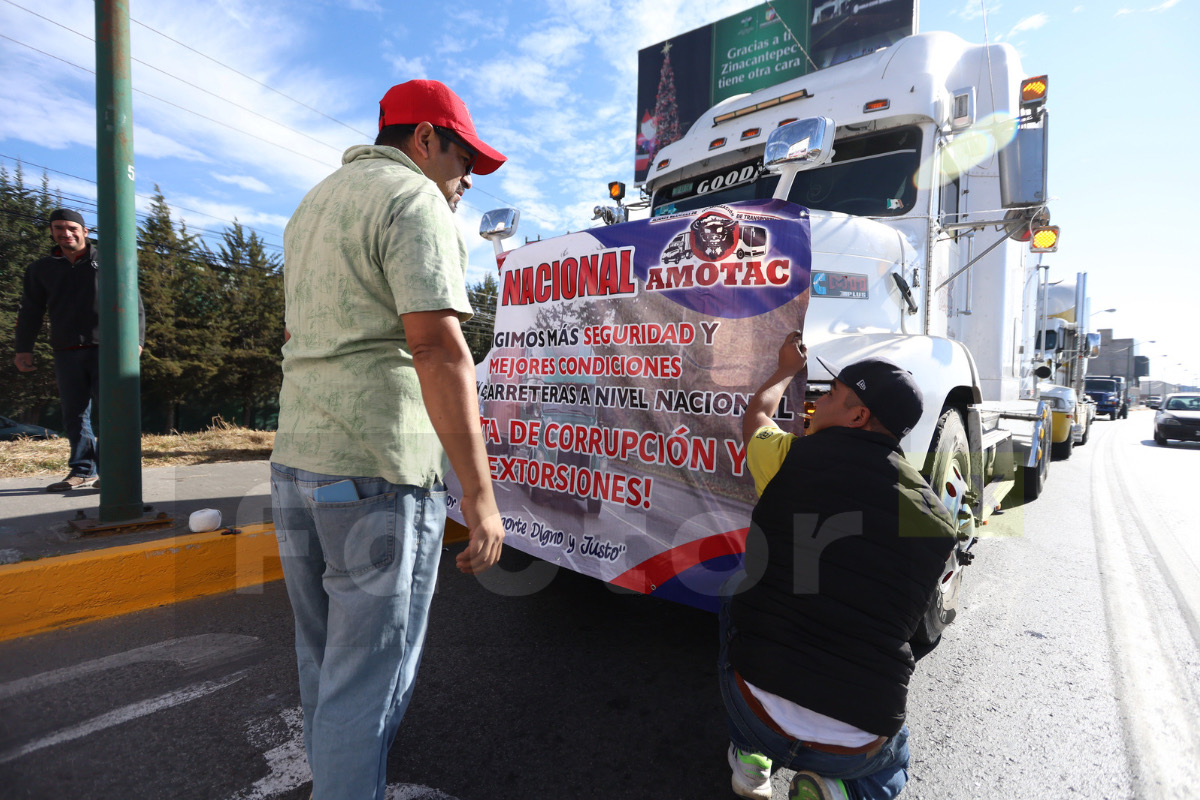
(78, 375)
(360, 576)
(879, 776)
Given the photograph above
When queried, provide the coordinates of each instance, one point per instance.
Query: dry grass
(221, 442)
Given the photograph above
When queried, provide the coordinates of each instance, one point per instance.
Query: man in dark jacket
(846, 545)
(65, 284)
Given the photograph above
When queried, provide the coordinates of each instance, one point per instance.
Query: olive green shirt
(373, 241)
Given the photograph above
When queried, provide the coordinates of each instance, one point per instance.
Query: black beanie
(67, 215)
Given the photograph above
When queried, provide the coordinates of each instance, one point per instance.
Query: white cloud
(1029, 23)
(1163, 6)
(244, 181)
(971, 9)
(407, 69)
(201, 212)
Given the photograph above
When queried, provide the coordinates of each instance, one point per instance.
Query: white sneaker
(811, 786)
(751, 773)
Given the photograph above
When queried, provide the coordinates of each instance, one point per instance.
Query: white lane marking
(410, 791)
(122, 715)
(287, 763)
(189, 652)
(1156, 699)
(287, 767)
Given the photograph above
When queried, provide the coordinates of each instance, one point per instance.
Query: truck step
(993, 437)
(994, 494)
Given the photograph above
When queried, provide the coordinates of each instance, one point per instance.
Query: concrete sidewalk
(34, 522)
(52, 576)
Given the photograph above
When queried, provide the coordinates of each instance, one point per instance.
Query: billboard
(612, 399)
(681, 78)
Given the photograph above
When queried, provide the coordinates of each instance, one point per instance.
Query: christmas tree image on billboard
(666, 115)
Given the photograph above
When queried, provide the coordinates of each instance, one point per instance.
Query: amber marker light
(715, 143)
(616, 191)
(1044, 240)
(663, 164)
(750, 133)
(876, 105)
(1033, 91)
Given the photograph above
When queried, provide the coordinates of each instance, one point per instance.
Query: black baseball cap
(67, 215)
(886, 389)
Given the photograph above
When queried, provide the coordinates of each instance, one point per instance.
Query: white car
(1178, 417)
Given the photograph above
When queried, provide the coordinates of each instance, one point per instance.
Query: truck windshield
(870, 175)
(1097, 385)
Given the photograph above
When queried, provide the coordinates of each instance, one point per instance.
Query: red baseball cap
(420, 101)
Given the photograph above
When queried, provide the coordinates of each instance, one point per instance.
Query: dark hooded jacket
(70, 292)
(850, 543)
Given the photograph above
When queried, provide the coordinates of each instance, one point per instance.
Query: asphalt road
(1071, 671)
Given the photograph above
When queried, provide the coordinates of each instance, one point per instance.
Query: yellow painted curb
(51, 593)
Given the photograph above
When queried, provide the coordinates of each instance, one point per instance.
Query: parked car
(11, 429)
(1153, 401)
(1178, 417)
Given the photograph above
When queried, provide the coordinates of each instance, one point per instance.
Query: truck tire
(948, 452)
(1032, 480)
(1062, 450)
(936, 618)
(1111, 414)
(1124, 409)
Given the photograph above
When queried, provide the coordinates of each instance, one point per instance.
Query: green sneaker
(751, 773)
(811, 786)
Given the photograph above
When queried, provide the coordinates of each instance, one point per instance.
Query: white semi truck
(920, 173)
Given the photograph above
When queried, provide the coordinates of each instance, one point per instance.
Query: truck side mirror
(499, 223)
(804, 144)
(1042, 372)
(1093, 345)
(1023, 166)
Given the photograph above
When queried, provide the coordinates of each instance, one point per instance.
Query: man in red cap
(378, 400)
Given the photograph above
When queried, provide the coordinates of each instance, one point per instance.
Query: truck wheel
(1111, 414)
(947, 469)
(1124, 409)
(1031, 480)
(937, 616)
(1062, 450)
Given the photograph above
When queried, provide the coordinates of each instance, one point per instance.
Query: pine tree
(479, 329)
(185, 328)
(666, 113)
(24, 238)
(252, 291)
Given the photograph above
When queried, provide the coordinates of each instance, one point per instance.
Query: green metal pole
(120, 377)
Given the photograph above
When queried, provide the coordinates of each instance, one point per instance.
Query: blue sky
(552, 85)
